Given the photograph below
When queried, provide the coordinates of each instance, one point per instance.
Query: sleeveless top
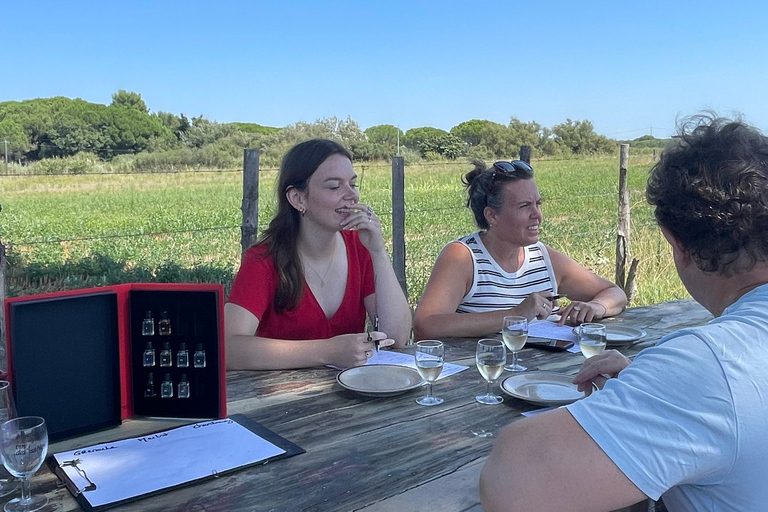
(494, 288)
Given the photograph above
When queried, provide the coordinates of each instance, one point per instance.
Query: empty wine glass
(430, 355)
(23, 446)
(490, 359)
(7, 411)
(592, 339)
(514, 332)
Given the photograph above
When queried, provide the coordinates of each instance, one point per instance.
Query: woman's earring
(302, 211)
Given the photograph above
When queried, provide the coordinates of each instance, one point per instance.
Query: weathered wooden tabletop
(363, 453)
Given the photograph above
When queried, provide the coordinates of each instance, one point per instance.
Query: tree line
(72, 135)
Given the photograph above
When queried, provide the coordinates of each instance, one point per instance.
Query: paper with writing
(111, 472)
(551, 331)
(400, 359)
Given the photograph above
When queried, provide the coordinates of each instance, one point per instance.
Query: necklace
(330, 264)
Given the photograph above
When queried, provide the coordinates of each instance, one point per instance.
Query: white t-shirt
(689, 417)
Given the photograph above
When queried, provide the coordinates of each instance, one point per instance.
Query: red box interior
(75, 357)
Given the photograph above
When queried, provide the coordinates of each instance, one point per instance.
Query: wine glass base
(7, 486)
(489, 399)
(32, 504)
(515, 368)
(429, 400)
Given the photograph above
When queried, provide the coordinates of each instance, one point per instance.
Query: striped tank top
(494, 288)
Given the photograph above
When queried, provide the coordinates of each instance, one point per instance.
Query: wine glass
(514, 332)
(592, 339)
(430, 355)
(23, 446)
(7, 412)
(490, 359)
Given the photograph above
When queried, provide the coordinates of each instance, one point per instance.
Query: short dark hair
(710, 191)
(484, 188)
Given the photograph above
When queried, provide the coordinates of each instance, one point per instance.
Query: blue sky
(626, 68)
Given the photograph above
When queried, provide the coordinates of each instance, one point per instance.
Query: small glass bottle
(166, 388)
(148, 325)
(166, 358)
(149, 388)
(182, 356)
(199, 358)
(183, 386)
(149, 355)
(164, 324)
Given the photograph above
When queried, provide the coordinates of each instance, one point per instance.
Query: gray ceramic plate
(379, 379)
(542, 388)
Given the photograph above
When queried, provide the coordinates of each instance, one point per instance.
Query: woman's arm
(592, 297)
(449, 282)
(388, 303)
(244, 351)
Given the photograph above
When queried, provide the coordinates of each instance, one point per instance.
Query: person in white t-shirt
(687, 420)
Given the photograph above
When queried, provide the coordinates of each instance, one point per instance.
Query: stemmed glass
(23, 446)
(592, 339)
(430, 355)
(514, 332)
(7, 412)
(490, 359)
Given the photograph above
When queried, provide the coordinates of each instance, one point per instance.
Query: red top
(256, 282)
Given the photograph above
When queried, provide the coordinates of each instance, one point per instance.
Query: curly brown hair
(710, 191)
(485, 187)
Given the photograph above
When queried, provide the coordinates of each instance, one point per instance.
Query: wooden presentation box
(87, 359)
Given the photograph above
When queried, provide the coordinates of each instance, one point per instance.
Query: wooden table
(363, 453)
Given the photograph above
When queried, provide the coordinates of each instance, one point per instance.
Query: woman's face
(518, 220)
(330, 191)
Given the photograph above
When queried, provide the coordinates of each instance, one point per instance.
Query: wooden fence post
(525, 154)
(250, 205)
(625, 279)
(398, 220)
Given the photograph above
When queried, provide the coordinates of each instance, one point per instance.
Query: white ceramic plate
(619, 335)
(542, 388)
(379, 379)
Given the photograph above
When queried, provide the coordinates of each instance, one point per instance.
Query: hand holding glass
(23, 446)
(514, 332)
(592, 339)
(490, 358)
(430, 355)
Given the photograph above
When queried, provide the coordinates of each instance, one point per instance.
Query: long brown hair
(298, 165)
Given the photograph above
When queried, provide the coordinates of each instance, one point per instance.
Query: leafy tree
(471, 132)
(446, 145)
(415, 136)
(129, 99)
(14, 133)
(386, 134)
(579, 137)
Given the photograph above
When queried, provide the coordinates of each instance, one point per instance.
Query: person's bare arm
(388, 303)
(592, 297)
(450, 280)
(549, 463)
(244, 351)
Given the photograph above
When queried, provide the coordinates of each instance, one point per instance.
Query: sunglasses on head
(508, 169)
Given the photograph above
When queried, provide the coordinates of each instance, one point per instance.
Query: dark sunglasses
(508, 169)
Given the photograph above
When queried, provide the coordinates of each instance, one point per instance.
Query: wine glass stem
(25, 494)
(514, 358)
(429, 389)
(488, 388)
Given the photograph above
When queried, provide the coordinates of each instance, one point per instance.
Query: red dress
(256, 282)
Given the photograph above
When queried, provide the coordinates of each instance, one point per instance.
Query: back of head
(485, 187)
(710, 191)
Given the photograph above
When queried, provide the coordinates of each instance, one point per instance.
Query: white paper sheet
(400, 359)
(111, 472)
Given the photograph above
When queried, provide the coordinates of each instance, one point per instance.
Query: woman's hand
(578, 312)
(355, 349)
(598, 369)
(368, 225)
(536, 305)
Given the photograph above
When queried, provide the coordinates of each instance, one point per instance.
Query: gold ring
(369, 337)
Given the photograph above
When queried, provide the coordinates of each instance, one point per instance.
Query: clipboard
(106, 475)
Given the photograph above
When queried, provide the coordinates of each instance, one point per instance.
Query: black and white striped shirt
(493, 288)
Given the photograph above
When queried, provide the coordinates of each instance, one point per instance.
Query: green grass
(85, 230)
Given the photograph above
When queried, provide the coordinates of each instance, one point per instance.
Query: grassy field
(89, 230)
